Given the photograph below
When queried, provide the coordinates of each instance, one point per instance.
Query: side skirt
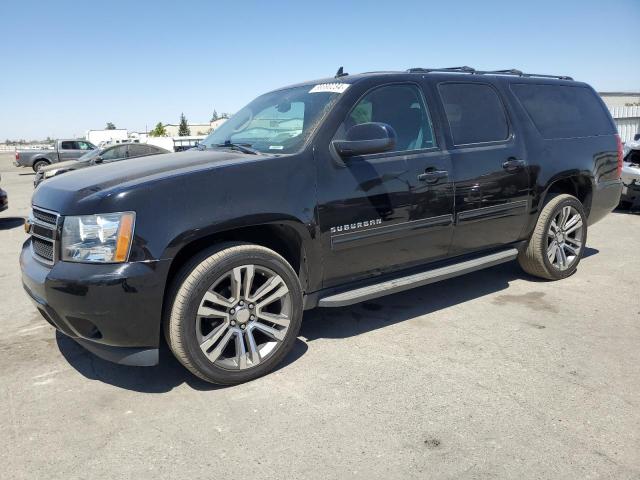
(399, 284)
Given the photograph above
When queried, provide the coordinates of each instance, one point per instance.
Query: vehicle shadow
(11, 222)
(385, 311)
(27, 174)
(589, 252)
(169, 373)
(633, 210)
(319, 323)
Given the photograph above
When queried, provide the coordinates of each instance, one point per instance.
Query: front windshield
(277, 122)
(91, 154)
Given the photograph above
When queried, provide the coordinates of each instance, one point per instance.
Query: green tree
(158, 131)
(215, 116)
(183, 130)
(110, 126)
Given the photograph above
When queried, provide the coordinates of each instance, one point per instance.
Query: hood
(63, 193)
(69, 164)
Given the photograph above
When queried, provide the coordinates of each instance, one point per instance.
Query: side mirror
(97, 160)
(366, 138)
(636, 137)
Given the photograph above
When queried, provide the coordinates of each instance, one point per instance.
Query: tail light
(619, 171)
(17, 155)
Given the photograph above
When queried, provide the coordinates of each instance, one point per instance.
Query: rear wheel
(38, 164)
(557, 243)
(235, 314)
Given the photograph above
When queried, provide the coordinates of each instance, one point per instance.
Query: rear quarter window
(563, 111)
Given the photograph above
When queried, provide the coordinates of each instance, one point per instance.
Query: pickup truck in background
(63, 150)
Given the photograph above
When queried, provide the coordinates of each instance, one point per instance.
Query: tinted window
(69, 146)
(475, 113)
(115, 153)
(400, 106)
(139, 150)
(560, 111)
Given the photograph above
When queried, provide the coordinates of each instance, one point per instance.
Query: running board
(416, 280)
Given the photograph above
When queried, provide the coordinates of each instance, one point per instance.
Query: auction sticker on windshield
(330, 87)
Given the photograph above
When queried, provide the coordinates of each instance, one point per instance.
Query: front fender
(269, 230)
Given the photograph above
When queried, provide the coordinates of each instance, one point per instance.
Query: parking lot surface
(491, 375)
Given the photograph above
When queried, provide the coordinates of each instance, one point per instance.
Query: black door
(489, 167)
(385, 211)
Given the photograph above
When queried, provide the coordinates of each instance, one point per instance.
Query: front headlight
(102, 238)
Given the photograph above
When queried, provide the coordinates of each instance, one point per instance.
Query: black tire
(186, 295)
(38, 164)
(534, 259)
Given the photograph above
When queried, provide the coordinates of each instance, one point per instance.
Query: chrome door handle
(513, 165)
(433, 176)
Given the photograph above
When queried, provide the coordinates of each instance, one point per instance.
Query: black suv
(325, 193)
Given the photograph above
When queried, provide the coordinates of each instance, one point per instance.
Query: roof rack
(465, 69)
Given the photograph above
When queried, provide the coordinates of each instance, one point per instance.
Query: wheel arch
(580, 185)
(40, 158)
(288, 239)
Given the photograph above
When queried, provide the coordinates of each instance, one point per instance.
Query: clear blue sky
(72, 66)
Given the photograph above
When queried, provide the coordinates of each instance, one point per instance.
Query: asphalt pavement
(491, 375)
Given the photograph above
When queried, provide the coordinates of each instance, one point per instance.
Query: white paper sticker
(330, 87)
(276, 147)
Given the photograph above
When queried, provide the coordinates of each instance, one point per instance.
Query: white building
(99, 136)
(625, 110)
(194, 128)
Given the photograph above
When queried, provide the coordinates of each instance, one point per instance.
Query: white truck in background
(176, 144)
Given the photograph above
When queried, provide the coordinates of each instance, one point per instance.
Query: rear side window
(115, 153)
(560, 111)
(475, 113)
(69, 146)
(139, 150)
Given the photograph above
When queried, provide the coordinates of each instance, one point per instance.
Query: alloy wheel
(564, 238)
(243, 317)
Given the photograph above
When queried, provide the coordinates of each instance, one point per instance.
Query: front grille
(46, 217)
(42, 248)
(44, 234)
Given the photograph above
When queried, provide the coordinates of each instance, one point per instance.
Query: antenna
(341, 73)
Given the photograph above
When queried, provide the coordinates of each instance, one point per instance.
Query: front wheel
(235, 314)
(558, 240)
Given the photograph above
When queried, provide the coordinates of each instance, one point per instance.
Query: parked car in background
(631, 175)
(176, 144)
(62, 151)
(355, 187)
(4, 200)
(111, 153)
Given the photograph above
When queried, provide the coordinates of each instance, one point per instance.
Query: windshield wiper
(241, 147)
